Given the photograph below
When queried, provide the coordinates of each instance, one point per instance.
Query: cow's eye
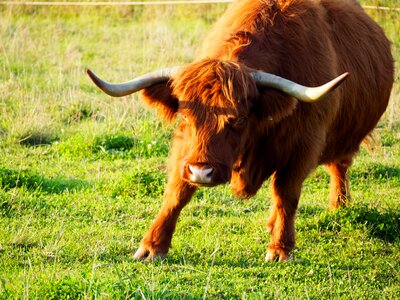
(241, 121)
(237, 122)
(231, 121)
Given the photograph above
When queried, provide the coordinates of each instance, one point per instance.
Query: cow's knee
(271, 220)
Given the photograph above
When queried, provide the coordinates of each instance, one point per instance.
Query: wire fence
(124, 3)
(144, 3)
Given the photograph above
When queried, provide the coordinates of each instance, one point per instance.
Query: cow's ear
(160, 97)
(273, 105)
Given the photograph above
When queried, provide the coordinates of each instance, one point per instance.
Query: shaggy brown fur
(246, 134)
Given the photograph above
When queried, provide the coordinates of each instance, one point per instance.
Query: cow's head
(217, 102)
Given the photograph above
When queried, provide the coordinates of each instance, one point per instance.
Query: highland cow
(259, 101)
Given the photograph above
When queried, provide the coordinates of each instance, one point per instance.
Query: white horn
(303, 93)
(137, 84)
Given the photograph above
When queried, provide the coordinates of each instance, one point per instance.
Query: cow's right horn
(137, 84)
(303, 93)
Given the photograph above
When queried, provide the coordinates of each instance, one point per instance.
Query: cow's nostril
(200, 174)
(211, 170)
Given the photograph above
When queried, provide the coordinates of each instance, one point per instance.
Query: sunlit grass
(81, 176)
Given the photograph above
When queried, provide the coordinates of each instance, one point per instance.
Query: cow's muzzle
(202, 174)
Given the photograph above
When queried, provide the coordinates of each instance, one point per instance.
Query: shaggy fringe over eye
(216, 83)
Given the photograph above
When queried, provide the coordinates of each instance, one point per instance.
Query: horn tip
(341, 78)
(94, 78)
(90, 73)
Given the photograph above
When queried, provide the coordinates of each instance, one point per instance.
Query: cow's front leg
(286, 193)
(157, 240)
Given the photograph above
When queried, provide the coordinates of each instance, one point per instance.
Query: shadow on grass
(35, 139)
(381, 225)
(13, 179)
(309, 211)
(375, 171)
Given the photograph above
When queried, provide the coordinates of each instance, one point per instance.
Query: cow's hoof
(279, 255)
(143, 254)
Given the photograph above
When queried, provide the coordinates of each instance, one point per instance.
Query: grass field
(82, 174)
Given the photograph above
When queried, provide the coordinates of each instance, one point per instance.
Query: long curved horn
(303, 93)
(137, 84)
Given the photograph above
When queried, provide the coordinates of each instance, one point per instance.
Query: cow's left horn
(303, 93)
(137, 84)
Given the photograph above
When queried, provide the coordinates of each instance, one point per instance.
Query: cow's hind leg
(339, 195)
(157, 240)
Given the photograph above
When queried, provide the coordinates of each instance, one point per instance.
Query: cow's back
(310, 42)
(363, 50)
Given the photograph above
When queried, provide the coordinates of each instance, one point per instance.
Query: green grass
(82, 174)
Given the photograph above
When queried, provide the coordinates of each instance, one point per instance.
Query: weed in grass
(142, 183)
(82, 111)
(113, 143)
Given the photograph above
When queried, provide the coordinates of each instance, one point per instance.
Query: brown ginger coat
(248, 134)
